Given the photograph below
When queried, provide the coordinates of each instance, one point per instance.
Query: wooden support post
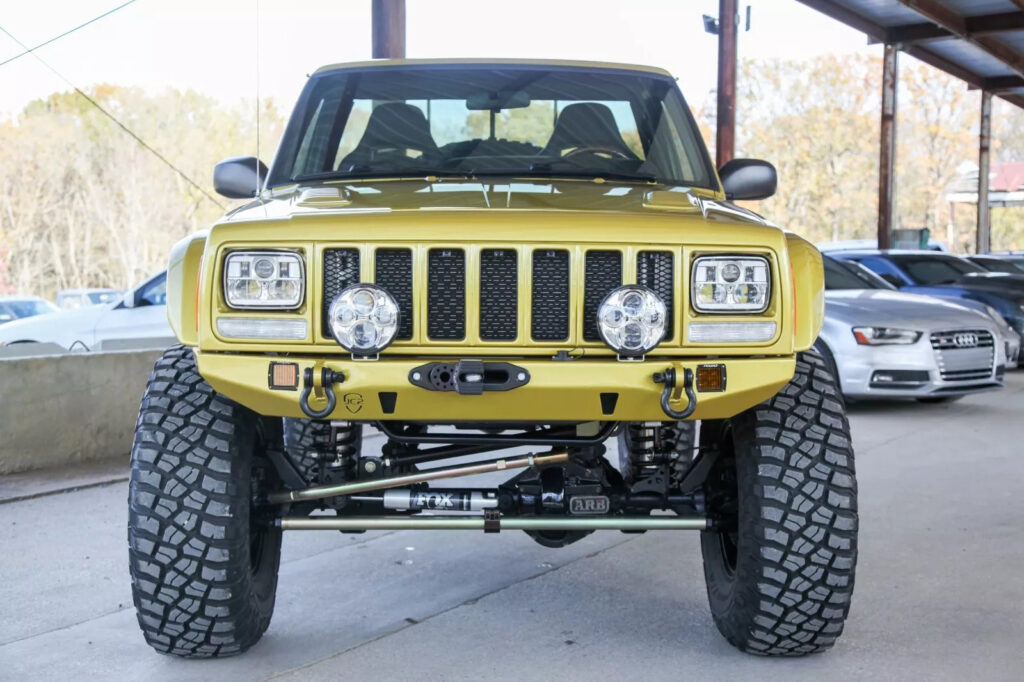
(887, 153)
(984, 236)
(725, 121)
(388, 29)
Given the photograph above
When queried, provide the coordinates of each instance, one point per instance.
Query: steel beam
(388, 29)
(998, 84)
(887, 146)
(984, 236)
(974, 27)
(725, 121)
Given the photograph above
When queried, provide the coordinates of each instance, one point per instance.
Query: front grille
(964, 354)
(602, 273)
(654, 271)
(446, 294)
(393, 272)
(341, 269)
(549, 308)
(499, 295)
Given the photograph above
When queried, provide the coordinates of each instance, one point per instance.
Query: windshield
(492, 120)
(999, 265)
(20, 309)
(927, 270)
(840, 275)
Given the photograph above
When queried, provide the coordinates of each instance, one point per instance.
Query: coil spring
(345, 437)
(653, 444)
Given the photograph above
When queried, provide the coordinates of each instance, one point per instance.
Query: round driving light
(631, 320)
(363, 319)
(730, 272)
(264, 268)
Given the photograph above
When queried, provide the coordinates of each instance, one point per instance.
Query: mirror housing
(237, 177)
(749, 179)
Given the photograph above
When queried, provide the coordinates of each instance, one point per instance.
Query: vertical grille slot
(654, 271)
(499, 295)
(341, 269)
(603, 272)
(393, 272)
(549, 306)
(446, 294)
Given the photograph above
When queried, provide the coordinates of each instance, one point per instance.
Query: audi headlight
(631, 320)
(363, 319)
(885, 336)
(264, 279)
(730, 284)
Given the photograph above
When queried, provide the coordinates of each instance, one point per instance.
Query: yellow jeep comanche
(476, 256)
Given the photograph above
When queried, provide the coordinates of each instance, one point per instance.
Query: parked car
(888, 344)
(947, 276)
(69, 299)
(862, 244)
(1012, 264)
(139, 315)
(19, 307)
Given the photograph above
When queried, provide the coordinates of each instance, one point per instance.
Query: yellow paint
(182, 277)
(809, 286)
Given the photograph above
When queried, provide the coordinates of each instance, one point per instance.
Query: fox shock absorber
(424, 499)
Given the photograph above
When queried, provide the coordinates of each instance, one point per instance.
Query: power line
(118, 123)
(65, 33)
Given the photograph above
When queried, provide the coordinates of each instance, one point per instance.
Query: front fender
(183, 270)
(808, 291)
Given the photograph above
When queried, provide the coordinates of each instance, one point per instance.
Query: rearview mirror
(239, 177)
(503, 99)
(749, 179)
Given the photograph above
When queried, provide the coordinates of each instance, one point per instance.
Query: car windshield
(928, 270)
(97, 297)
(1000, 265)
(28, 308)
(839, 275)
(521, 121)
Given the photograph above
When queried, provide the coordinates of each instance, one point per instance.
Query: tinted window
(154, 292)
(492, 120)
(928, 270)
(28, 308)
(839, 275)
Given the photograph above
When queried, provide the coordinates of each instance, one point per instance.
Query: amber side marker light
(710, 378)
(283, 376)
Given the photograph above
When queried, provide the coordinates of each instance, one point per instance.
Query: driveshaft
(323, 491)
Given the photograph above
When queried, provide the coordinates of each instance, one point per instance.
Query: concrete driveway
(940, 584)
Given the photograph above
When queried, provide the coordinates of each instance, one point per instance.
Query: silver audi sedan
(887, 344)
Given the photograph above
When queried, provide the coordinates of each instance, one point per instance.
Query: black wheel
(203, 554)
(780, 565)
(307, 443)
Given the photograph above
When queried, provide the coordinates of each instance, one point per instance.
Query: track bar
(504, 523)
(322, 491)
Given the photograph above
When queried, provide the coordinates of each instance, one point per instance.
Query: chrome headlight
(363, 319)
(885, 336)
(730, 284)
(631, 320)
(264, 279)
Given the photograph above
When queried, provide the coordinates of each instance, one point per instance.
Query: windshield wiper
(381, 175)
(546, 171)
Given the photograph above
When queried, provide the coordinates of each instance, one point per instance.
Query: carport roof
(978, 41)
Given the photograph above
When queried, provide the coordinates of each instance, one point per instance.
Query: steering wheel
(599, 149)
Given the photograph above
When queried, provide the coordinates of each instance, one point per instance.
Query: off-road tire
(781, 582)
(204, 572)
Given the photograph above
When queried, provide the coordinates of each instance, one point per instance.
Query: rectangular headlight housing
(264, 280)
(730, 284)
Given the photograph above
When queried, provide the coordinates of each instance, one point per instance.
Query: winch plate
(469, 377)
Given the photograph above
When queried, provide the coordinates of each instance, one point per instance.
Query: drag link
(334, 490)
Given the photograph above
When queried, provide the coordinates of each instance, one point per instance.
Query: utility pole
(388, 29)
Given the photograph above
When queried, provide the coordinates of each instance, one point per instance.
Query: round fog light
(363, 319)
(631, 320)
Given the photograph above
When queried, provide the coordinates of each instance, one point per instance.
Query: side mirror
(748, 179)
(239, 177)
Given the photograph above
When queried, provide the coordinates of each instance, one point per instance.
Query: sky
(211, 45)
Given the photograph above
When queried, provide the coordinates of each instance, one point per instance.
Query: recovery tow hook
(324, 387)
(668, 377)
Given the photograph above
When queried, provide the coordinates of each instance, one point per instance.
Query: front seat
(393, 129)
(586, 124)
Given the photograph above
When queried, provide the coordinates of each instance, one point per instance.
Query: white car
(19, 307)
(139, 317)
(69, 299)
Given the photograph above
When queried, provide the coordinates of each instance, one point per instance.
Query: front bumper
(860, 366)
(557, 390)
